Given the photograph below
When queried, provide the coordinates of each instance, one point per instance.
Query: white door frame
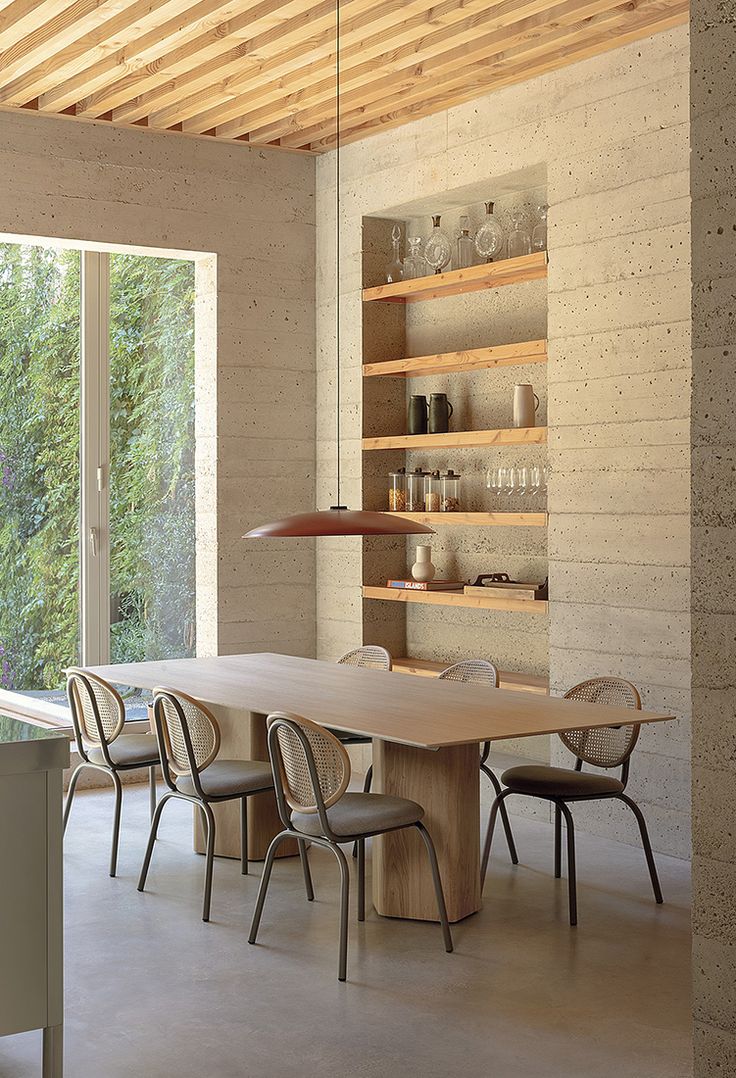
(94, 534)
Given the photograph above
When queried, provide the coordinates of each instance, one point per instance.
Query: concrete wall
(713, 176)
(612, 133)
(251, 213)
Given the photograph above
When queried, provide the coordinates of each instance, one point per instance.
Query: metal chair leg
(489, 835)
(209, 860)
(367, 783)
(647, 846)
(151, 840)
(70, 794)
(558, 842)
(116, 822)
(243, 836)
(361, 879)
(571, 878)
(344, 911)
(263, 886)
(151, 791)
(504, 814)
(436, 879)
(306, 870)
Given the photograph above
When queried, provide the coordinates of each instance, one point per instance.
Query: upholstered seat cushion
(559, 782)
(128, 750)
(228, 778)
(361, 814)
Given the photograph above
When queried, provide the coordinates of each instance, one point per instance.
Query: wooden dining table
(426, 736)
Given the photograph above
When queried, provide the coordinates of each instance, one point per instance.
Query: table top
(390, 707)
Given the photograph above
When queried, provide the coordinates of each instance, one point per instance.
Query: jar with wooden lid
(432, 485)
(397, 491)
(449, 492)
(415, 491)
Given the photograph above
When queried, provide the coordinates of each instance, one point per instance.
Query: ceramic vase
(422, 569)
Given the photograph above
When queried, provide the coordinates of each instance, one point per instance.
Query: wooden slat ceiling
(264, 71)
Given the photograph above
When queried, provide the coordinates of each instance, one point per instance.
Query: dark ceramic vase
(418, 414)
(440, 411)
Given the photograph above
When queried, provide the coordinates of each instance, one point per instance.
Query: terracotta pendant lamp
(338, 519)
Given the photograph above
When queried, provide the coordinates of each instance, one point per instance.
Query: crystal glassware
(464, 246)
(438, 249)
(539, 232)
(414, 263)
(395, 268)
(489, 237)
(522, 481)
(535, 479)
(520, 242)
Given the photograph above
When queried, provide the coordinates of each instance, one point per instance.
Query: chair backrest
(98, 711)
(371, 656)
(188, 732)
(473, 671)
(604, 746)
(311, 768)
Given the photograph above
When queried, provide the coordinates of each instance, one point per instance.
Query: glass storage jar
(432, 492)
(415, 491)
(397, 491)
(449, 492)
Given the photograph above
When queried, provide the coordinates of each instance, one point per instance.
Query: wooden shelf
(531, 267)
(507, 680)
(473, 359)
(462, 439)
(457, 598)
(478, 520)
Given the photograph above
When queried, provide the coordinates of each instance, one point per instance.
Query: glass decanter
(395, 268)
(539, 232)
(464, 246)
(414, 263)
(438, 249)
(489, 237)
(520, 242)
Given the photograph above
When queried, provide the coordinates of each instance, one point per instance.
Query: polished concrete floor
(152, 992)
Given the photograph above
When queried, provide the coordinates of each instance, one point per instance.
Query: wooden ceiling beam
(22, 17)
(268, 58)
(276, 18)
(397, 72)
(169, 26)
(415, 22)
(593, 45)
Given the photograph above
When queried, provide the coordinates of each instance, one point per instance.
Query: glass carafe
(414, 263)
(489, 238)
(395, 268)
(464, 246)
(520, 242)
(539, 232)
(438, 249)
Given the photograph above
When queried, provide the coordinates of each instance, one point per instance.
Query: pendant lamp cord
(337, 239)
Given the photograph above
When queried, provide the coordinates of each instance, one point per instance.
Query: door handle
(93, 542)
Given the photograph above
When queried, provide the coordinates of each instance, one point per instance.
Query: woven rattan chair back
(191, 733)
(297, 740)
(604, 746)
(370, 656)
(98, 711)
(472, 671)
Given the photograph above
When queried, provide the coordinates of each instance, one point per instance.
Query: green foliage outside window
(152, 461)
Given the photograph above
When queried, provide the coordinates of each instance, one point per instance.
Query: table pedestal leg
(446, 784)
(243, 738)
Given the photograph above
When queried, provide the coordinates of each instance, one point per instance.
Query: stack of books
(426, 585)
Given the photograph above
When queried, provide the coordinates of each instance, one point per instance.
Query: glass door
(39, 467)
(151, 517)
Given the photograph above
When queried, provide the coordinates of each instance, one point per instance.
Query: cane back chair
(605, 747)
(98, 719)
(368, 657)
(188, 739)
(483, 672)
(311, 772)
